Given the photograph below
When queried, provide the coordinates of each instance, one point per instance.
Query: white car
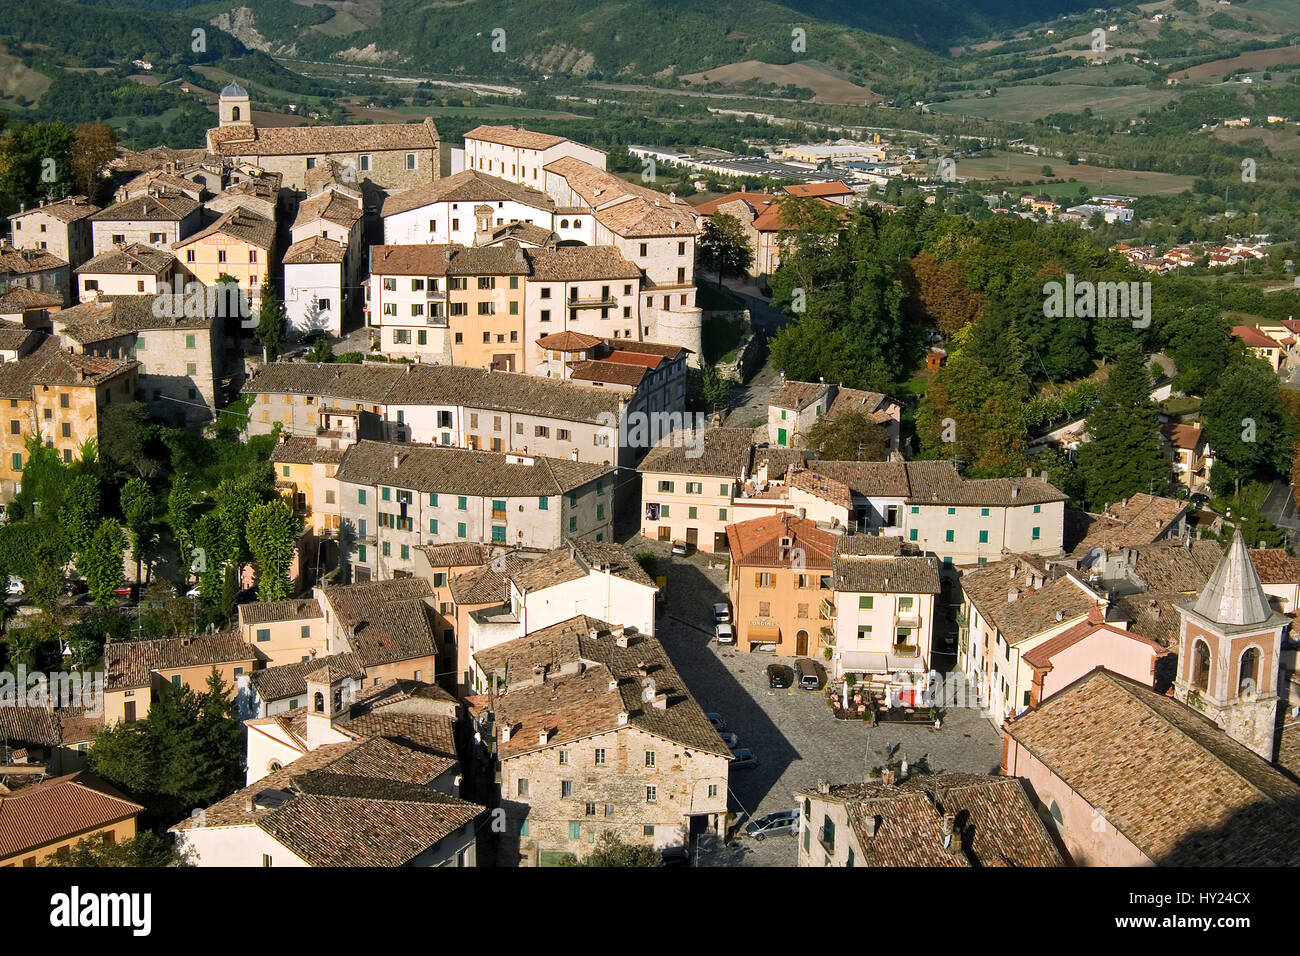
(16, 587)
(724, 634)
(192, 592)
(722, 613)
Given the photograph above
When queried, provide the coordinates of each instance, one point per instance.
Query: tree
(270, 321)
(1246, 424)
(138, 511)
(946, 302)
(1126, 453)
(102, 562)
(611, 851)
(94, 146)
(145, 849)
(272, 531)
(186, 753)
(851, 436)
(181, 514)
(123, 429)
(80, 512)
(724, 247)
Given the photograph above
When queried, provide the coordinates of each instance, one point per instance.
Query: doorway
(801, 644)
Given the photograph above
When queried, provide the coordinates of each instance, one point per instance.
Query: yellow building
(780, 585)
(136, 670)
(59, 396)
(286, 632)
(239, 244)
(43, 819)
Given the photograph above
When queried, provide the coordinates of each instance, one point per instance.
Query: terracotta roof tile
(58, 808)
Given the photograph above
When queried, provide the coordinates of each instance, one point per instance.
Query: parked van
(809, 679)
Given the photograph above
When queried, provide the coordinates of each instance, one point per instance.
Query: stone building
(61, 228)
(594, 732)
(380, 156)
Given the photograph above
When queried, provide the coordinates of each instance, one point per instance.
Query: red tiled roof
(1254, 337)
(58, 808)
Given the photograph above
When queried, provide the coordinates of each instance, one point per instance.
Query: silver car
(782, 821)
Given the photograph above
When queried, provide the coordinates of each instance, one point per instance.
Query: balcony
(593, 302)
(906, 650)
(828, 610)
(828, 637)
(907, 618)
(436, 321)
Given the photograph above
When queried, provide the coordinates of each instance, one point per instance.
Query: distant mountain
(617, 38)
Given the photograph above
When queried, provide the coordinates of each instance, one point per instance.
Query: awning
(877, 662)
(763, 633)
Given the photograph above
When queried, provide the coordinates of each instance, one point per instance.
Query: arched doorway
(801, 643)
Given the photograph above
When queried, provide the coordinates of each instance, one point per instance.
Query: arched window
(564, 224)
(234, 113)
(274, 765)
(319, 702)
(1248, 672)
(1201, 666)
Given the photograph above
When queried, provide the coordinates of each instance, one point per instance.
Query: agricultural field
(1024, 104)
(19, 82)
(1017, 167)
(829, 85)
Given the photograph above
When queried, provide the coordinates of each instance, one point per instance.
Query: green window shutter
(433, 499)
(361, 496)
(139, 343)
(691, 512)
(387, 549)
(866, 603)
(1035, 534)
(663, 511)
(433, 526)
(984, 537)
(460, 529)
(498, 533)
(911, 535)
(361, 553)
(915, 510)
(722, 514)
(984, 512)
(948, 535)
(543, 503)
(189, 341)
(462, 503)
(263, 634)
(386, 494)
(573, 524)
(406, 552)
(1038, 509)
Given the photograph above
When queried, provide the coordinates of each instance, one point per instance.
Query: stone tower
(233, 106)
(1229, 644)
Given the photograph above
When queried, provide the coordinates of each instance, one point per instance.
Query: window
(866, 603)
(666, 486)
(722, 514)
(651, 794)
(16, 463)
(949, 535)
(828, 832)
(691, 512)
(564, 757)
(361, 498)
(600, 756)
(1038, 509)
(694, 488)
(911, 535)
(649, 758)
(543, 503)
(1248, 672)
(575, 831)
(591, 809)
(460, 529)
(63, 400)
(410, 160)
(522, 787)
(1034, 534)
(566, 789)
(365, 163)
(984, 537)
(263, 634)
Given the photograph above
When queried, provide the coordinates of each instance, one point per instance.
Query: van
(809, 679)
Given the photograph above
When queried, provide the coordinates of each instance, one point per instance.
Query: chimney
(887, 776)
(1015, 492)
(647, 690)
(622, 717)
(642, 669)
(543, 736)
(613, 683)
(620, 637)
(250, 803)
(660, 701)
(396, 459)
(873, 825)
(1096, 614)
(539, 675)
(505, 732)
(1060, 615)
(1013, 595)
(823, 786)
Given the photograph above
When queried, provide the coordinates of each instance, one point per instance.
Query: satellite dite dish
(1092, 558)
(499, 562)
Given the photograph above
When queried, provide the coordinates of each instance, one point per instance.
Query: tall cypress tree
(1125, 453)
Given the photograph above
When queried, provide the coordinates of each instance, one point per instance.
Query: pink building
(1129, 777)
(1061, 660)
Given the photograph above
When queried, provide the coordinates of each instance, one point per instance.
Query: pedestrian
(875, 717)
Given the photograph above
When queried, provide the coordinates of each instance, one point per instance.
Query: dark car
(779, 676)
(1199, 499)
(312, 335)
(809, 678)
(246, 596)
(73, 586)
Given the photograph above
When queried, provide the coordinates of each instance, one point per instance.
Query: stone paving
(792, 732)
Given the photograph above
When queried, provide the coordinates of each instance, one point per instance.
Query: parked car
(809, 678)
(681, 549)
(193, 592)
(730, 739)
(779, 676)
(782, 821)
(246, 596)
(74, 586)
(312, 335)
(1200, 499)
(724, 634)
(127, 592)
(722, 613)
(16, 587)
(716, 720)
(743, 759)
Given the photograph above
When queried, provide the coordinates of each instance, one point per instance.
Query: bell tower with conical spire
(1229, 643)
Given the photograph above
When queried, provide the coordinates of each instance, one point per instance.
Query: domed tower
(233, 106)
(1229, 642)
